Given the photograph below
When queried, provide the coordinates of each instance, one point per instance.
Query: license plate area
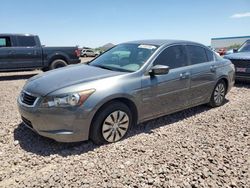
(238, 69)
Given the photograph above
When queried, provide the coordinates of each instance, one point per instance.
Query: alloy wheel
(219, 93)
(115, 126)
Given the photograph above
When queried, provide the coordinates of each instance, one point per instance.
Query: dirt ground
(198, 147)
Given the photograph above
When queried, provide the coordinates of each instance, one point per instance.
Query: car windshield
(245, 47)
(125, 57)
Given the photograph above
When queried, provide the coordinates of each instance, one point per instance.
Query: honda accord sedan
(131, 83)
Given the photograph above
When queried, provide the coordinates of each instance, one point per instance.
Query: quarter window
(26, 41)
(210, 55)
(197, 54)
(174, 57)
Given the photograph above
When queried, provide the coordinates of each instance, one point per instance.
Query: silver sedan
(131, 83)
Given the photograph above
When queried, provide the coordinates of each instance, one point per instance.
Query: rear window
(5, 42)
(197, 54)
(26, 41)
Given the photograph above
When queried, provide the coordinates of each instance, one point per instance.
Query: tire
(218, 96)
(45, 69)
(105, 127)
(58, 63)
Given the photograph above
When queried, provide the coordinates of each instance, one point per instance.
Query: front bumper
(60, 124)
(242, 77)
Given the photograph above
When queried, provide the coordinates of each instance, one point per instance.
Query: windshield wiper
(103, 67)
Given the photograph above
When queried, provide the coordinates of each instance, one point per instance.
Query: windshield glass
(125, 57)
(245, 47)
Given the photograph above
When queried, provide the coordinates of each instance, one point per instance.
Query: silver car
(131, 83)
(88, 53)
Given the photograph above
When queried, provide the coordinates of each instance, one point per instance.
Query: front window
(125, 57)
(173, 56)
(5, 42)
(245, 47)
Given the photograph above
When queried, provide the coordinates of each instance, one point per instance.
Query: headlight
(67, 100)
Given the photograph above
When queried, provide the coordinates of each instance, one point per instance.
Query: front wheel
(111, 124)
(218, 95)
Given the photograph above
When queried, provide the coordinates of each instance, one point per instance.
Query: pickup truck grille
(241, 63)
(28, 99)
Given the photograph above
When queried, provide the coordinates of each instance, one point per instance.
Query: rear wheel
(111, 124)
(218, 95)
(58, 63)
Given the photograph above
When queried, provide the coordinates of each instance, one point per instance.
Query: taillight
(77, 53)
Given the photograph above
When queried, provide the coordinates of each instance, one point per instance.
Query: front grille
(28, 99)
(243, 74)
(27, 122)
(241, 63)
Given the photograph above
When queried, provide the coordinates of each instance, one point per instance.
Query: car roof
(162, 42)
(15, 34)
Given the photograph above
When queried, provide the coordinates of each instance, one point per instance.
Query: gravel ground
(198, 147)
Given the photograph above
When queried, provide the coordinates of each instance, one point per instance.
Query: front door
(6, 53)
(163, 94)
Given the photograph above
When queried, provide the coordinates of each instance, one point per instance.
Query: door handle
(185, 75)
(213, 68)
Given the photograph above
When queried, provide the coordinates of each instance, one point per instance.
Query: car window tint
(24, 41)
(5, 42)
(197, 54)
(174, 57)
(210, 55)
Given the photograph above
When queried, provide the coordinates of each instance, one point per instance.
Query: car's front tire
(218, 96)
(111, 123)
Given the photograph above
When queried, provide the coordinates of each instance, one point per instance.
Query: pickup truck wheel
(58, 63)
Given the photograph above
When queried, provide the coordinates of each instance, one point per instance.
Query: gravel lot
(198, 147)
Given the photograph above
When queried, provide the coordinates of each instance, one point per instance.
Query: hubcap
(219, 93)
(115, 126)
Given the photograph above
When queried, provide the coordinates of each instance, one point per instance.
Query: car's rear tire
(58, 63)
(218, 96)
(111, 123)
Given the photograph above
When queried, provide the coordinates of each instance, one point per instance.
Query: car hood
(239, 56)
(45, 83)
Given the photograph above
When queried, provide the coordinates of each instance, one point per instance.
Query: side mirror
(235, 50)
(159, 70)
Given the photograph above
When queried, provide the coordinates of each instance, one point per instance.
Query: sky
(94, 23)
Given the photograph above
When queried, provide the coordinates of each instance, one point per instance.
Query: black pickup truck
(25, 52)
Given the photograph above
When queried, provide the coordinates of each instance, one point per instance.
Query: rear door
(28, 53)
(163, 94)
(203, 73)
